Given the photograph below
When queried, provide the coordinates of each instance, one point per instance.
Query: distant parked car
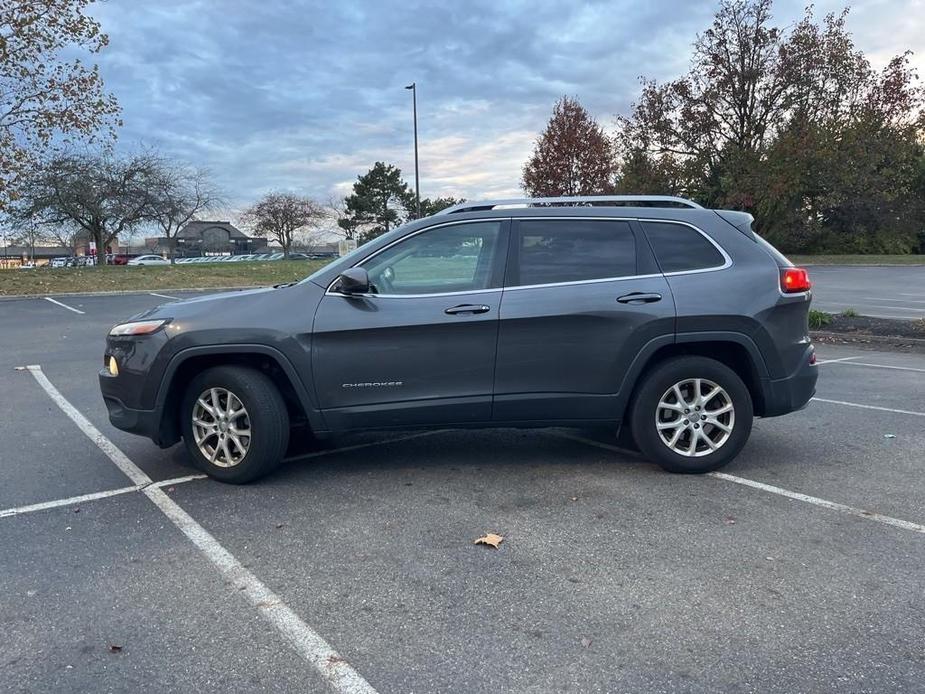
(148, 260)
(27, 266)
(58, 262)
(299, 256)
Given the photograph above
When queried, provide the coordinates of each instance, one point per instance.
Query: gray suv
(653, 313)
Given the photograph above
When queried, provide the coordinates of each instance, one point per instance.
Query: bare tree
(98, 195)
(335, 209)
(178, 195)
(25, 231)
(282, 215)
(46, 97)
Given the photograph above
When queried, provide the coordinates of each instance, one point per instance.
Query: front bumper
(142, 422)
(785, 395)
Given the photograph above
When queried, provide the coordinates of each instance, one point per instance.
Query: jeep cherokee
(650, 312)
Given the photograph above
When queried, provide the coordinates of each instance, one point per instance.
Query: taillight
(794, 279)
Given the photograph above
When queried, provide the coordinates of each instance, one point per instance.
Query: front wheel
(692, 414)
(235, 424)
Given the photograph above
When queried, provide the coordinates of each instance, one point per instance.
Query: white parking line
(164, 296)
(69, 308)
(833, 361)
(332, 667)
(83, 498)
(851, 510)
(908, 301)
(834, 506)
(869, 407)
(873, 366)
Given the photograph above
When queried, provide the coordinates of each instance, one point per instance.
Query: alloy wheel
(695, 417)
(221, 427)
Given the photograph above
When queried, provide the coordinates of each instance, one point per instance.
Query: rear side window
(680, 248)
(571, 250)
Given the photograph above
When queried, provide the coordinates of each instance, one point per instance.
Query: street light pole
(417, 178)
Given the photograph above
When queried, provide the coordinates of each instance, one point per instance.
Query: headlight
(141, 327)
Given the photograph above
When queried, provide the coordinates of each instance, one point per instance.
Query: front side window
(453, 258)
(573, 250)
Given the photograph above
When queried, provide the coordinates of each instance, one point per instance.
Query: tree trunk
(100, 246)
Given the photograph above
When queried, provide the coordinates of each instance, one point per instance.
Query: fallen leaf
(490, 539)
(170, 489)
(280, 525)
(574, 498)
(889, 436)
(113, 648)
(77, 510)
(585, 641)
(729, 520)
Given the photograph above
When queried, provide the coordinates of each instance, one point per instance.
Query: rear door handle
(639, 298)
(467, 308)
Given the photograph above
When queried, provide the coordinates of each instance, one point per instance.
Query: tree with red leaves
(573, 156)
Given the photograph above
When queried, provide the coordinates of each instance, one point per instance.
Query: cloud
(304, 96)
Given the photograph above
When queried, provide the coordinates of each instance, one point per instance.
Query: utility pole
(417, 178)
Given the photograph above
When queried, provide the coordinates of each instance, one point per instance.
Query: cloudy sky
(303, 96)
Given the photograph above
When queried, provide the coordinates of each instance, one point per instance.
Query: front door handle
(467, 308)
(639, 298)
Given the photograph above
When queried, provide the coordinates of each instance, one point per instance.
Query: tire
(266, 419)
(657, 407)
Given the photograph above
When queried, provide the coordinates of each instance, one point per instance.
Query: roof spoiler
(740, 220)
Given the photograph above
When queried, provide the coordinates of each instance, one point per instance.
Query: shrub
(819, 319)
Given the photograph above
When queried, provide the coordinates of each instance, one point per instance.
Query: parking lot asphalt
(884, 292)
(613, 575)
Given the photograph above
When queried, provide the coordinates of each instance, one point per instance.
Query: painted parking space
(607, 563)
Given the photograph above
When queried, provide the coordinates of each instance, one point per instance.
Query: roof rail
(578, 201)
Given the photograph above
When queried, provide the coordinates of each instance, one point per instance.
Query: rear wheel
(692, 414)
(235, 424)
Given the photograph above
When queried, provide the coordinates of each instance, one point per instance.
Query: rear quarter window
(680, 248)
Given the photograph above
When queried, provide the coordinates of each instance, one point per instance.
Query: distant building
(208, 238)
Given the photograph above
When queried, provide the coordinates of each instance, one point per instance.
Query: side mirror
(354, 280)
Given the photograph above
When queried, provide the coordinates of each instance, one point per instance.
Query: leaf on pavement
(490, 539)
(113, 648)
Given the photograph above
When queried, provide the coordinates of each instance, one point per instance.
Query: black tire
(267, 417)
(657, 382)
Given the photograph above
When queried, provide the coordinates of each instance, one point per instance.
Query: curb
(124, 292)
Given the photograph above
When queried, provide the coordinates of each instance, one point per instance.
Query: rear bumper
(790, 394)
